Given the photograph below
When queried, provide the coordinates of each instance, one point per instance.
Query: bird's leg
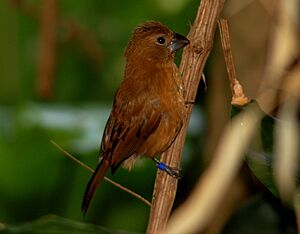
(174, 172)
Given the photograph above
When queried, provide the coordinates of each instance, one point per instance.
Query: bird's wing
(128, 127)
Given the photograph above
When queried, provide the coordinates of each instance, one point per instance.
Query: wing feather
(129, 127)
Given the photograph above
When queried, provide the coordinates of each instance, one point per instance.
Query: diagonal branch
(193, 61)
(105, 178)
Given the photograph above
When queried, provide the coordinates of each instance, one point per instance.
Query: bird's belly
(161, 139)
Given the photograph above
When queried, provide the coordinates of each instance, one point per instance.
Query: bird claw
(174, 172)
(189, 102)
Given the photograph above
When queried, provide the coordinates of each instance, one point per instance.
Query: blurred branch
(87, 40)
(285, 86)
(193, 61)
(200, 208)
(47, 58)
(27, 9)
(269, 5)
(203, 204)
(72, 31)
(70, 156)
(234, 7)
(283, 52)
(286, 150)
(238, 96)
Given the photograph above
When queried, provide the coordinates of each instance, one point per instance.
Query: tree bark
(193, 60)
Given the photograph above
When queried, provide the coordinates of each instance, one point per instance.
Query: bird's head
(154, 41)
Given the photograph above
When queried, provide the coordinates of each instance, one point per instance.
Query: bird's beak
(178, 42)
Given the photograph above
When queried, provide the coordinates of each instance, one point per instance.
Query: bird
(148, 109)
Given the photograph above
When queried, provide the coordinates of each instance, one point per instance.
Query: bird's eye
(161, 40)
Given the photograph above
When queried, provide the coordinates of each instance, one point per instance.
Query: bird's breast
(173, 112)
(160, 81)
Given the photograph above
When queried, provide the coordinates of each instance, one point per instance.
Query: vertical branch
(193, 61)
(238, 96)
(47, 57)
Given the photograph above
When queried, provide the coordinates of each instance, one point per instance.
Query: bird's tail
(93, 184)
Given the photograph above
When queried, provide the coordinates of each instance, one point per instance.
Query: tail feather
(93, 184)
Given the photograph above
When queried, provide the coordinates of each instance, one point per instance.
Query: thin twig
(70, 156)
(238, 96)
(192, 64)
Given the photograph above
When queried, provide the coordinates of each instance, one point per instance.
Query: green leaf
(259, 155)
(52, 224)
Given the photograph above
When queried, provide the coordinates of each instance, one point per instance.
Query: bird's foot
(174, 172)
(189, 102)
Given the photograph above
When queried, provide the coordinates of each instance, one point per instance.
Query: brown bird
(148, 108)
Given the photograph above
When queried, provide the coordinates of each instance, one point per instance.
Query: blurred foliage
(77, 80)
(35, 178)
(267, 212)
(262, 215)
(260, 154)
(53, 224)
